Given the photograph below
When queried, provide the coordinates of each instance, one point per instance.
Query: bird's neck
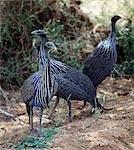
(113, 25)
(43, 57)
(112, 36)
(45, 68)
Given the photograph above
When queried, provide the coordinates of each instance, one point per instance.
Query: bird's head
(39, 36)
(40, 33)
(50, 47)
(115, 18)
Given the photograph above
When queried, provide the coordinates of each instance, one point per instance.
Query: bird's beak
(54, 49)
(119, 18)
(38, 32)
(34, 43)
(34, 32)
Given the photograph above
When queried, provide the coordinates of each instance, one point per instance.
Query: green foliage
(125, 38)
(38, 142)
(126, 67)
(105, 96)
(97, 114)
(68, 50)
(59, 118)
(17, 22)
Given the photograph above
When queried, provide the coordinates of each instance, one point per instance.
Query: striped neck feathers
(107, 47)
(43, 57)
(44, 84)
(113, 26)
(55, 67)
(58, 67)
(44, 66)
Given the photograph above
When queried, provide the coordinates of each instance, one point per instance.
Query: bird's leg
(69, 109)
(53, 108)
(31, 118)
(41, 112)
(93, 104)
(28, 111)
(94, 101)
(84, 104)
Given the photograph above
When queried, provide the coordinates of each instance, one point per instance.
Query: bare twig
(11, 116)
(6, 113)
(3, 94)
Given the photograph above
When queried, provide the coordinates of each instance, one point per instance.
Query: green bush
(126, 67)
(17, 22)
(38, 142)
(125, 40)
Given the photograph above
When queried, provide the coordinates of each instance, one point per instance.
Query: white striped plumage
(45, 85)
(100, 64)
(107, 47)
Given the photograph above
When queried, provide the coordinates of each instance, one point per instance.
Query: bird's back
(74, 82)
(80, 80)
(69, 89)
(99, 65)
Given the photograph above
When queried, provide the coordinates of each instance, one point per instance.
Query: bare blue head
(41, 33)
(50, 46)
(47, 45)
(114, 19)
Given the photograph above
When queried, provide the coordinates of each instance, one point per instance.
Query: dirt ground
(113, 130)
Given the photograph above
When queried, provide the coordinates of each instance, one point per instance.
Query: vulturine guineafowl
(39, 88)
(73, 85)
(100, 64)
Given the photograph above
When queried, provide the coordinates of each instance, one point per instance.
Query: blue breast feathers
(34, 104)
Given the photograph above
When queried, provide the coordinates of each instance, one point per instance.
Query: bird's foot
(94, 110)
(36, 132)
(70, 119)
(49, 117)
(33, 131)
(84, 104)
(105, 109)
(101, 110)
(39, 134)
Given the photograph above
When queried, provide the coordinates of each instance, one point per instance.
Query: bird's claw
(34, 131)
(103, 108)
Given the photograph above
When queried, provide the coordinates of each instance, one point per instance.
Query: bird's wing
(32, 87)
(66, 88)
(29, 86)
(58, 67)
(74, 76)
(96, 69)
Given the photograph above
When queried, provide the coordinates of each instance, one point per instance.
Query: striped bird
(40, 87)
(72, 85)
(100, 64)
